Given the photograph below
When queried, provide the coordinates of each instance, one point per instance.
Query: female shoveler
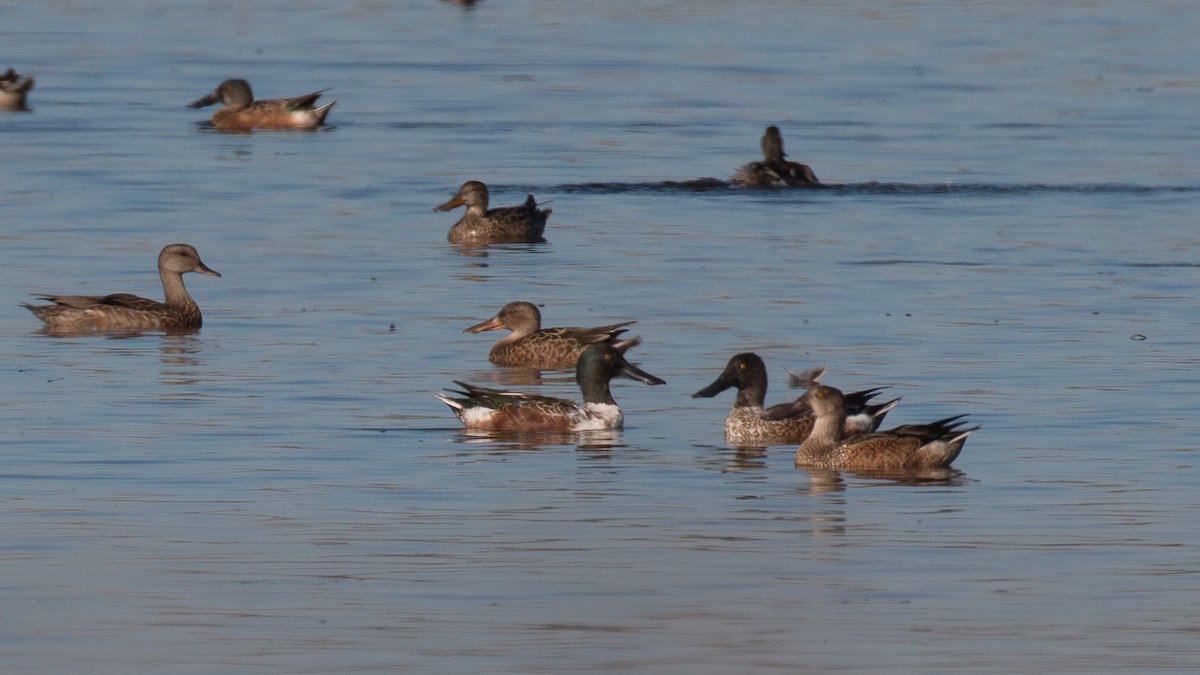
(522, 224)
(127, 313)
(496, 410)
(774, 170)
(12, 90)
(532, 346)
(242, 112)
(749, 424)
(906, 448)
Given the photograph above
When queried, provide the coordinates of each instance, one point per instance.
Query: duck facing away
(522, 224)
(12, 90)
(911, 447)
(242, 112)
(749, 423)
(774, 170)
(496, 410)
(531, 346)
(125, 312)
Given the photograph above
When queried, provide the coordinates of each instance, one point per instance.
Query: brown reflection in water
(834, 481)
(501, 442)
(747, 458)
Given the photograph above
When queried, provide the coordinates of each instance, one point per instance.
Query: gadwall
(12, 90)
(124, 312)
(497, 410)
(242, 112)
(774, 170)
(531, 346)
(522, 224)
(906, 448)
(749, 423)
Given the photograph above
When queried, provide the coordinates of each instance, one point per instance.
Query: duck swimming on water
(128, 313)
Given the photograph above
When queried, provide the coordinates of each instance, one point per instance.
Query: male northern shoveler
(12, 90)
(774, 170)
(748, 423)
(497, 410)
(522, 224)
(242, 112)
(532, 346)
(905, 448)
(124, 312)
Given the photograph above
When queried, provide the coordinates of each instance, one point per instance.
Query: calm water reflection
(1008, 231)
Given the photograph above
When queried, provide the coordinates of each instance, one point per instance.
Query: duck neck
(826, 433)
(595, 390)
(753, 395)
(174, 293)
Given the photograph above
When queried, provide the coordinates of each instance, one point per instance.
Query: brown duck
(532, 346)
(905, 448)
(749, 424)
(124, 312)
(774, 170)
(522, 224)
(242, 112)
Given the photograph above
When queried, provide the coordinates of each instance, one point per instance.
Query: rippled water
(1009, 232)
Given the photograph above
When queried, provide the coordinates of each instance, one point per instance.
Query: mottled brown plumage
(532, 346)
(124, 312)
(774, 170)
(522, 224)
(907, 448)
(750, 424)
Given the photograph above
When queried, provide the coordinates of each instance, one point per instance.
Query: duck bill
(634, 373)
(719, 385)
(491, 324)
(207, 100)
(205, 269)
(455, 202)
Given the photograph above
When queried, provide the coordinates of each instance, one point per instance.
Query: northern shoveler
(532, 346)
(124, 312)
(522, 224)
(497, 410)
(749, 424)
(12, 90)
(774, 170)
(242, 112)
(905, 448)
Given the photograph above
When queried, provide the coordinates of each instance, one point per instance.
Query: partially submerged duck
(242, 112)
(497, 410)
(911, 447)
(13, 88)
(749, 423)
(522, 224)
(127, 313)
(774, 170)
(531, 346)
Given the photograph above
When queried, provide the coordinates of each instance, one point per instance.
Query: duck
(531, 346)
(242, 112)
(483, 408)
(912, 447)
(774, 170)
(13, 88)
(128, 313)
(522, 224)
(750, 424)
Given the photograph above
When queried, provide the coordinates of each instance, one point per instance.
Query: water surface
(1009, 233)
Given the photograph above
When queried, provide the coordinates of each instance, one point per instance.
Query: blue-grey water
(1012, 233)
